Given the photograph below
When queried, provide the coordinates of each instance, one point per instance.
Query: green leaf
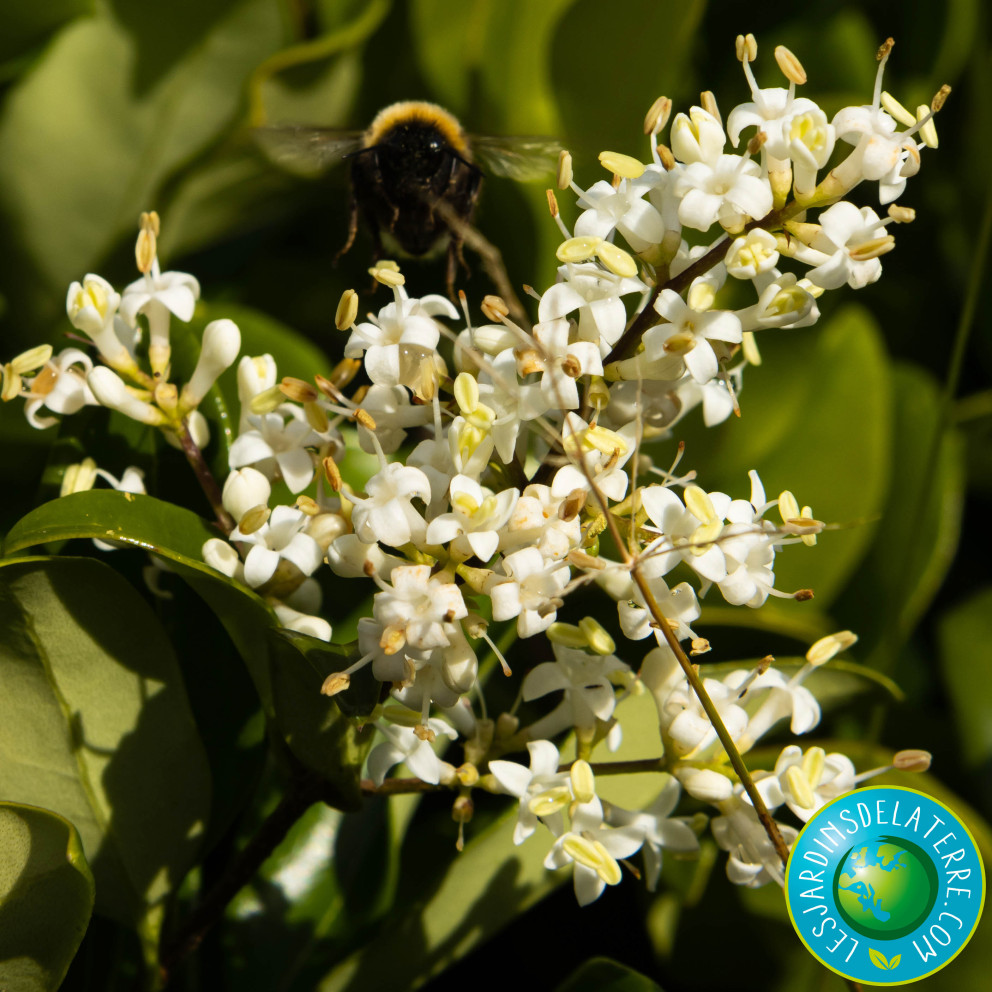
(485, 887)
(965, 639)
(27, 24)
(46, 897)
(917, 536)
(89, 137)
(95, 725)
(606, 975)
(108, 515)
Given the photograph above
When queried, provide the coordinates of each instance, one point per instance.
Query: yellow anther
(550, 801)
(552, 202)
(791, 67)
(625, 166)
(928, 132)
(807, 514)
(347, 310)
(564, 179)
(464, 504)
(335, 683)
(467, 774)
(387, 274)
(617, 260)
(33, 358)
(494, 308)
(583, 781)
(704, 536)
(700, 505)
(813, 763)
(872, 248)
(267, 400)
(701, 296)
(254, 519)
(577, 249)
(657, 117)
(466, 390)
(800, 787)
(912, 760)
(333, 474)
(895, 109)
(307, 505)
(749, 347)
(146, 246)
(597, 636)
(788, 506)
(828, 647)
(78, 478)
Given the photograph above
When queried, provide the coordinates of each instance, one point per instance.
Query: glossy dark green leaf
(95, 725)
(135, 520)
(916, 538)
(605, 975)
(965, 633)
(46, 897)
(88, 138)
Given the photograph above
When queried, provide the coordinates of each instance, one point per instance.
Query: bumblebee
(414, 174)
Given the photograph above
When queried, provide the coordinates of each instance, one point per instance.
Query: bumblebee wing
(522, 159)
(306, 151)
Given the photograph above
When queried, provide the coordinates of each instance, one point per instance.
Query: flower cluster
(515, 465)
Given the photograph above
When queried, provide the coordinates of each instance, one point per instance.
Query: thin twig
(206, 478)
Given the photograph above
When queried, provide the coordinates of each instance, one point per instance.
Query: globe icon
(885, 887)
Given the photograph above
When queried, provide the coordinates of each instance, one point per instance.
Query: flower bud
(110, 391)
(243, 489)
(221, 344)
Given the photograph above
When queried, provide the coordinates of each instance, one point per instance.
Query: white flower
(562, 362)
(396, 341)
(807, 781)
(753, 859)
(60, 386)
(255, 375)
(404, 744)
(730, 191)
(536, 523)
(529, 589)
(687, 533)
(697, 137)
(622, 208)
(843, 249)
(157, 294)
(583, 679)
(512, 402)
(387, 513)
(603, 453)
(594, 294)
(244, 489)
(593, 849)
(679, 605)
(685, 721)
(688, 333)
(476, 518)
(219, 349)
(92, 308)
(543, 791)
(658, 828)
(276, 445)
(417, 607)
(280, 539)
(394, 415)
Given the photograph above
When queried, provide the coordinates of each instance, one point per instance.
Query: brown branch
(206, 478)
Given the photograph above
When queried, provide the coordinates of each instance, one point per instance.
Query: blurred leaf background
(880, 417)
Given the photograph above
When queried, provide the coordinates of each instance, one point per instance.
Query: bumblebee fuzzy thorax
(416, 116)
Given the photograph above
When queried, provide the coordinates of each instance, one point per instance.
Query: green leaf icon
(894, 962)
(878, 959)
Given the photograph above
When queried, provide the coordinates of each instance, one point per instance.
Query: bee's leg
(456, 258)
(352, 229)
